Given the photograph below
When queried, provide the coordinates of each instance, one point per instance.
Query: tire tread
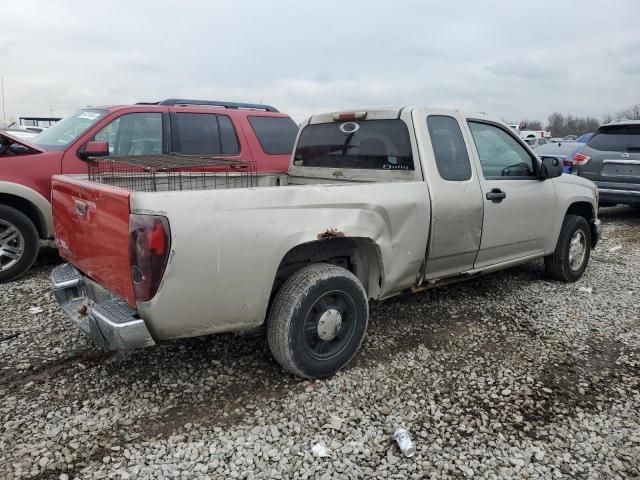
(286, 304)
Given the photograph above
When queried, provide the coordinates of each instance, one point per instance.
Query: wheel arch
(360, 255)
(587, 211)
(29, 209)
(31, 203)
(581, 208)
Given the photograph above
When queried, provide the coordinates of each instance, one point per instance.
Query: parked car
(536, 142)
(375, 203)
(564, 151)
(232, 130)
(611, 159)
(20, 133)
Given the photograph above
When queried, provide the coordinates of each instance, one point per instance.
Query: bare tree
(555, 124)
(632, 113)
(533, 125)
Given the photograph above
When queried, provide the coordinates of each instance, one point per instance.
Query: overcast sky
(514, 60)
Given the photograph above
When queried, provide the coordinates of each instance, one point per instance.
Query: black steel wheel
(318, 320)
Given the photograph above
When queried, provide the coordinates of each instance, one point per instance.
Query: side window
(133, 134)
(228, 138)
(500, 154)
(452, 158)
(197, 133)
(275, 134)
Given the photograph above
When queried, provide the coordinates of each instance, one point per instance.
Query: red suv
(235, 130)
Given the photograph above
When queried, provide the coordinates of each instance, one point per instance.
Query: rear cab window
(275, 134)
(366, 144)
(619, 138)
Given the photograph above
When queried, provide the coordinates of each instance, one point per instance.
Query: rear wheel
(318, 320)
(569, 260)
(19, 243)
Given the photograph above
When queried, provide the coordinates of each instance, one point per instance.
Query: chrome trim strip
(619, 192)
(623, 162)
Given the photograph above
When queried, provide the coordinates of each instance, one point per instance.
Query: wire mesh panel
(152, 173)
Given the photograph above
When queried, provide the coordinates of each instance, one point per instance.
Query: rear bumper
(611, 195)
(108, 320)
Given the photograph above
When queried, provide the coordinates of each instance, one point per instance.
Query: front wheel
(569, 260)
(318, 320)
(19, 243)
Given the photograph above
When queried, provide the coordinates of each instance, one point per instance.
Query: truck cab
(258, 133)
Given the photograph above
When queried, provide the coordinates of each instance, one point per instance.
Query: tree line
(567, 124)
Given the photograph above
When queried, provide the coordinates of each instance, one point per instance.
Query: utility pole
(4, 112)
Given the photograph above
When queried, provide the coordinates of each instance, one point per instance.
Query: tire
(564, 264)
(19, 244)
(318, 320)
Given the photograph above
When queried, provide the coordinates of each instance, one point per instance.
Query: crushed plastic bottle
(404, 442)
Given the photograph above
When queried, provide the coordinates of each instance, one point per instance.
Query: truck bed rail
(151, 173)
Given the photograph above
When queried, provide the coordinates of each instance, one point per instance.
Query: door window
(205, 134)
(449, 149)
(133, 134)
(501, 155)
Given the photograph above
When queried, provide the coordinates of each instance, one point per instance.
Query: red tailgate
(91, 226)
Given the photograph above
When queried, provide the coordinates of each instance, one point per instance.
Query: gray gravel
(508, 376)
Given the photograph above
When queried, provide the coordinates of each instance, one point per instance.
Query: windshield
(372, 144)
(61, 134)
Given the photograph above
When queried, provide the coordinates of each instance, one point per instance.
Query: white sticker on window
(89, 115)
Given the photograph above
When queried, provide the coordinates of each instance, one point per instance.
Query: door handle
(496, 195)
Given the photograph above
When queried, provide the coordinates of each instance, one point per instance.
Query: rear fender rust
(331, 233)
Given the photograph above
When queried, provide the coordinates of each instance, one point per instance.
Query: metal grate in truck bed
(152, 173)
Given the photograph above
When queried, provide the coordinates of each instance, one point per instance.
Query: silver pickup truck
(376, 203)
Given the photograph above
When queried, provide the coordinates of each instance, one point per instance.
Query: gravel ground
(510, 375)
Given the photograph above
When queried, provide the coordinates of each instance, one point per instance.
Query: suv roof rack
(213, 103)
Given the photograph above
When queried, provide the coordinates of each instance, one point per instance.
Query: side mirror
(551, 167)
(94, 149)
(18, 149)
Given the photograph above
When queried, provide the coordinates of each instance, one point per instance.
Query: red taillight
(149, 246)
(580, 159)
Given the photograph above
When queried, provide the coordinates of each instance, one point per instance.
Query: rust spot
(82, 310)
(331, 233)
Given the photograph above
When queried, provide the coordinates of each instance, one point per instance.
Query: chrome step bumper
(109, 321)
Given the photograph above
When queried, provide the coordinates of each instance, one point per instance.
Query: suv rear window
(275, 134)
(370, 144)
(621, 138)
